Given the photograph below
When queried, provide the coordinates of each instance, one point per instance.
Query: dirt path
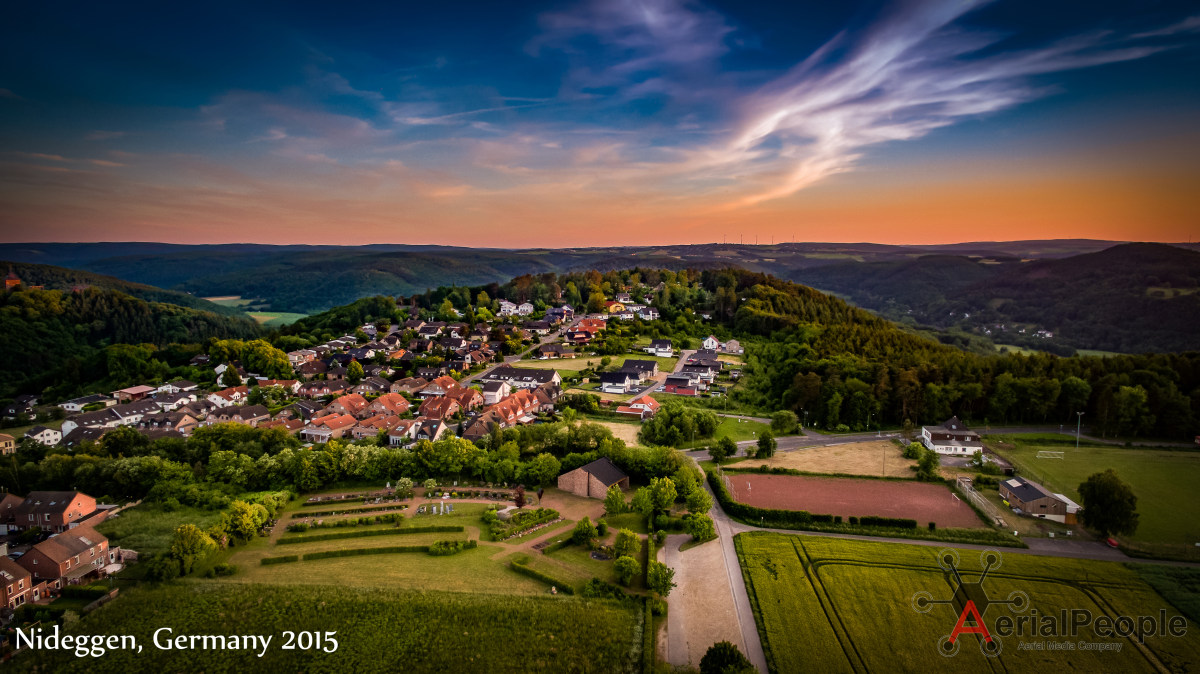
(702, 608)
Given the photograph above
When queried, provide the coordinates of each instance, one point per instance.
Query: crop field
(877, 458)
(274, 319)
(583, 362)
(376, 630)
(853, 603)
(850, 497)
(1163, 480)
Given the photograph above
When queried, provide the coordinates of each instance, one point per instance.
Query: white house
(711, 343)
(525, 309)
(952, 438)
(46, 436)
(661, 347)
(507, 308)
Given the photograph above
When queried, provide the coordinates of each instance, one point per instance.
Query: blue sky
(592, 123)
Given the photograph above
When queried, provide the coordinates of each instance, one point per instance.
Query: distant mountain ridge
(1127, 298)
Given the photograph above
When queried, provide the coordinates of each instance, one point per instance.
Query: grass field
(148, 528)
(737, 429)
(274, 319)
(880, 458)
(584, 362)
(1163, 480)
(229, 300)
(853, 603)
(376, 630)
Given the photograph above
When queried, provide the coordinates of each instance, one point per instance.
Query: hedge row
(83, 592)
(565, 588)
(279, 560)
(351, 511)
(764, 470)
(647, 637)
(445, 548)
(445, 528)
(557, 545)
(355, 552)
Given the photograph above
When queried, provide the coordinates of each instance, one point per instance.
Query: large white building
(952, 438)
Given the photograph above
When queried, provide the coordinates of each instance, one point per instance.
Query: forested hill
(837, 364)
(61, 278)
(1131, 298)
(50, 333)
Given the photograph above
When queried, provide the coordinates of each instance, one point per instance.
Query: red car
(1112, 543)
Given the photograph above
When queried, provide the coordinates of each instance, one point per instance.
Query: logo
(971, 602)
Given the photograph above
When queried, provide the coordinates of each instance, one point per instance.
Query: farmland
(583, 362)
(853, 602)
(1163, 480)
(377, 629)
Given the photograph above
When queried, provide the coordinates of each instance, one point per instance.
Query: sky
(609, 122)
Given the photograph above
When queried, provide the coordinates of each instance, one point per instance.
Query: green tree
(627, 544)
(643, 501)
(700, 526)
(699, 501)
(724, 658)
(190, 545)
(230, 377)
(584, 532)
(724, 449)
(243, 520)
(542, 469)
(660, 578)
(1109, 505)
(354, 372)
(614, 500)
(784, 422)
(663, 493)
(766, 446)
(626, 568)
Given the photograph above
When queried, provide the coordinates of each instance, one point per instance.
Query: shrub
(445, 548)
(626, 568)
(522, 569)
(279, 560)
(601, 528)
(598, 589)
(724, 658)
(933, 526)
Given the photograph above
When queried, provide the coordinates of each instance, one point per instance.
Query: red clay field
(848, 497)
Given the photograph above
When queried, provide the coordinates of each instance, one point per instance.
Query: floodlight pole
(1078, 423)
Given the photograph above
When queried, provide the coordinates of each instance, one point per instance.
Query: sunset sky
(523, 124)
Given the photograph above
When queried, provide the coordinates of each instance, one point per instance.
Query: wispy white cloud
(1188, 25)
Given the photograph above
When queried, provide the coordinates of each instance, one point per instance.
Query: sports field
(877, 458)
(850, 497)
(1163, 480)
(835, 605)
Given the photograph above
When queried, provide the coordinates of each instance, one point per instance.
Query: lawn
(635, 522)
(581, 362)
(1163, 480)
(737, 429)
(229, 300)
(853, 602)
(377, 630)
(18, 432)
(275, 319)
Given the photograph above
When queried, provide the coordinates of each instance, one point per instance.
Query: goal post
(1050, 454)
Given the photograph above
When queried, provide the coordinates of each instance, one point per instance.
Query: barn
(593, 479)
(1032, 499)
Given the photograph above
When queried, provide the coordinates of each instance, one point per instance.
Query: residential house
(372, 426)
(556, 350)
(431, 372)
(68, 558)
(390, 404)
(351, 403)
(54, 511)
(46, 436)
(97, 419)
(15, 584)
(542, 328)
(711, 343)
(439, 386)
(372, 385)
(438, 407)
(235, 395)
(952, 438)
(8, 444)
(248, 415)
(495, 391)
(645, 369)
(522, 377)
(682, 384)
(179, 386)
(661, 347)
(614, 307)
(624, 298)
(312, 369)
(507, 308)
(594, 479)
(8, 518)
(301, 356)
(290, 386)
(182, 422)
(77, 404)
(329, 427)
(132, 393)
(648, 314)
(524, 309)
(642, 408)
(128, 414)
(617, 382)
(316, 389)
(301, 409)
(404, 432)
(21, 406)
(430, 429)
(467, 398)
(733, 346)
(1030, 498)
(77, 436)
(408, 385)
(168, 402)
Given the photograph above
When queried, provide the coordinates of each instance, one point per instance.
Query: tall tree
(1109, 505)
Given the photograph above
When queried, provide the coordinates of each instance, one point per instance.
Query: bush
(279, 560)
(626, 568)
(601, 529)
(724, 658)
(598, 589)
(445, 548)
(445, 528)
(356, 552)
(524, 570)
(933, 526)
(221, 570)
